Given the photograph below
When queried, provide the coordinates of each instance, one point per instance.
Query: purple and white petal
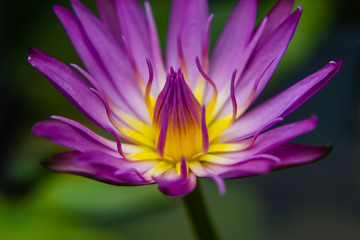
(188, 22)
(276, 16)
(89, 56)
(285, 155)
(224, 98)
(233, 41)
(282, 104)
(135, 32)
(157, 58)
(114, 59)
(274, 138)
(271, 52)
(202, 171)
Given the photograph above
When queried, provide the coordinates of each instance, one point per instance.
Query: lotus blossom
(184, 117)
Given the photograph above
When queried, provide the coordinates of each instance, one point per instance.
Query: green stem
(198, 215)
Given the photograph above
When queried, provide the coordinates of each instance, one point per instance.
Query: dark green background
(318, 201)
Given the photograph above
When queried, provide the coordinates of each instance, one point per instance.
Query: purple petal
(163, 130)
(233, 41)
(160, 74)
(282, 104)
(89, 56)
(241, 66)
(101, 167)
(204, 172)
(271, 51)
(229, 101)
(188, 21)
(220, 184)
(275, 17)
(291, 154)
(76, 137)
(288, 155)
(205, 135)
(206, 40)
(134, 29)
(170, 183)
(114, 59)
(274, 138)
(71, 85)
(244, 169)
(109, 17)
(183, 168)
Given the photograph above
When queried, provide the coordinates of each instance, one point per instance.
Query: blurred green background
(317, 201)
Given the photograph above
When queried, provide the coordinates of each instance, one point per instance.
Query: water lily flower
(184, 117)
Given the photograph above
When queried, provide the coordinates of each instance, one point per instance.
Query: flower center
(177, 120)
